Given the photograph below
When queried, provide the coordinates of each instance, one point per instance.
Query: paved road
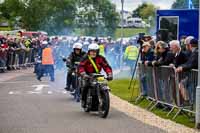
(28, 108)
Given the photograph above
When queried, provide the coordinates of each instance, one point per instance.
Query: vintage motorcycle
(75, 77)
(97, 95)
(75, 90)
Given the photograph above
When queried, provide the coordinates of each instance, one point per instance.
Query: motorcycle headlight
(100, 79)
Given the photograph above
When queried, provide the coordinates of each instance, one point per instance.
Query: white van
(136, 22)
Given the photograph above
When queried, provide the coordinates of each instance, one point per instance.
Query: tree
(183, 4)
(148, 11)
(97, 17)
(144, 11)
(62, 16)
(53, 16)
(11, 9)
(137, 11)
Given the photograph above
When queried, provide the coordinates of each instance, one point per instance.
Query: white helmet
(93, 46)
(77, 45)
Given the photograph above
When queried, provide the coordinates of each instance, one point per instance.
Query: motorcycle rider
(92, 63)
(76, 56)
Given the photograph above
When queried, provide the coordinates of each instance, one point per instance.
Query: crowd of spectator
(183, 57)
(18, 51)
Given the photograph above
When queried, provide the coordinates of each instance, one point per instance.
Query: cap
(146, 44)
(194, 42)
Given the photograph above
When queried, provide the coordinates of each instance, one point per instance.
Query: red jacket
(87, 67)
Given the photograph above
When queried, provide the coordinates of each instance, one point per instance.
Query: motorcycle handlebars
(95, 75)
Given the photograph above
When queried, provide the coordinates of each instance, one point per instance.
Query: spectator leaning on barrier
(147, 56)
(11, 56)
(147, 53)
(179, 56)
(192, 63)
(188, 48)
(164, 55)
(3, 55)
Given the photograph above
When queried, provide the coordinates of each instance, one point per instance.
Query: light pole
(122, 34)
(198, 86)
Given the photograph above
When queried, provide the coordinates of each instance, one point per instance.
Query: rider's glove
(109, 77)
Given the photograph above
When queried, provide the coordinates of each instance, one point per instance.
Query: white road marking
(11, 92)
(49, 92)
(16, 82)
(34, 92)
(37, 92)
(39, 87)
(14, 92)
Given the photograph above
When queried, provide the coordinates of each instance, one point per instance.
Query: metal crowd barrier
(20, 58)
(147, 82)
(163, 86)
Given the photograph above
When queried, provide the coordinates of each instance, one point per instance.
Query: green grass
(5, 28)
(128, 32)
(119, 87)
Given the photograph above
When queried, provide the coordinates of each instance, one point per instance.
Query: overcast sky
(130, 5)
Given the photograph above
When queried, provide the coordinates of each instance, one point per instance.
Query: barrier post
(197, 117)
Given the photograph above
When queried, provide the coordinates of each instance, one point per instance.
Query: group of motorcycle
(97, 98)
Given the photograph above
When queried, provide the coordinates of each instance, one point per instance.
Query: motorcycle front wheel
(104, 104)
(87, 102)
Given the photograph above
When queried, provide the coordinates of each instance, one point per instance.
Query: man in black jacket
(186, 83)
(192, 62)
(179, 56)
(71, 62)
(188, 48)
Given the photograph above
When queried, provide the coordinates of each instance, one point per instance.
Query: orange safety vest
(47, 56)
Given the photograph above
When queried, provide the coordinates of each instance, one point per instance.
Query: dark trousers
(47, 68)
(84, 85)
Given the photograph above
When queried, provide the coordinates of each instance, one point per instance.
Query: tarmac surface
(30, 106)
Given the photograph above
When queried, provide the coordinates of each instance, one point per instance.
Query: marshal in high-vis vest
(47, 56)
(47, 62)
(130, 55)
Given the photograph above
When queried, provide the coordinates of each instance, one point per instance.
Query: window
(170, 23)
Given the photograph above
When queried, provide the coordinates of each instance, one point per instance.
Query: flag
(190, 4)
